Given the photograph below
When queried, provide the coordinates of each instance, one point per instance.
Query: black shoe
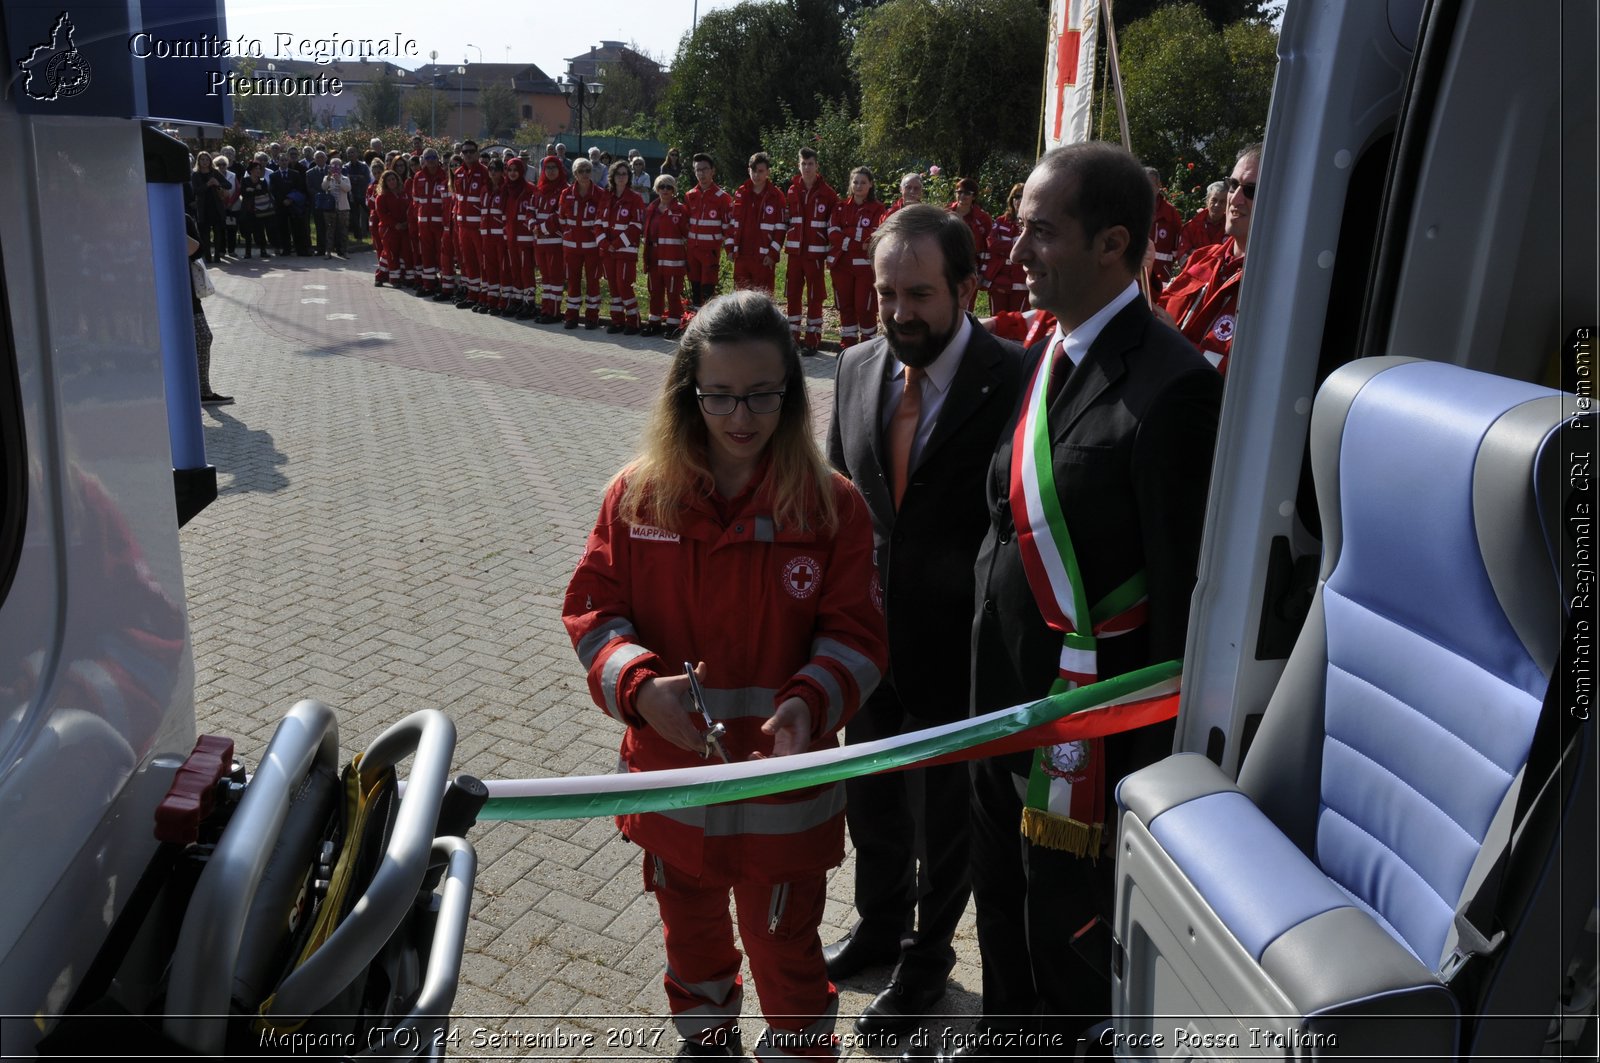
(670, 332)
(960, 1054)
(571, 323)
(591, 325)
(734, 1049)
(377, 282)
(443, 297)
(613, 328)
(852, 954)
(631, 330)
(652, 329)
(465, 304)
(525, 313)
(211, 398)
(480, 309)
(899, 1007)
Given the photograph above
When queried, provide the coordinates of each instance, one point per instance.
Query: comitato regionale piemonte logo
(55, 69)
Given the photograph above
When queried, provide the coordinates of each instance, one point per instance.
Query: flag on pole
(1069, 72)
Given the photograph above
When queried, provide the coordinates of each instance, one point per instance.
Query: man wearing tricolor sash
(1096, 502)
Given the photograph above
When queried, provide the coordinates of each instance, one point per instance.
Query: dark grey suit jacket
(925, 552)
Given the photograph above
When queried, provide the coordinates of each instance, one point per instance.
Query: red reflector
(193, 791)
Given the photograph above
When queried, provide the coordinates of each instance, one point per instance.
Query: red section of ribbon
(1090, 723)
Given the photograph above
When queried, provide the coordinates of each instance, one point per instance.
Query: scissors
(714, 731)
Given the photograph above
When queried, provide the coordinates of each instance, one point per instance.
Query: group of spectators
(1008, 522)
(277, 199)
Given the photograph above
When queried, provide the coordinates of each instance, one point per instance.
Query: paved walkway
(405, 488)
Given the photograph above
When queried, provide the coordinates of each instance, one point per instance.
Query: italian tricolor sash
(1065, 806)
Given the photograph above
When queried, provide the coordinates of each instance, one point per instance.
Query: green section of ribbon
(584, 805)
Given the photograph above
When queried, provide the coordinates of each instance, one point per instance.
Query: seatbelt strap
(1480, 919)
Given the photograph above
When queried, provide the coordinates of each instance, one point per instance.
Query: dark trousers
(1030, 902)
(909, 830)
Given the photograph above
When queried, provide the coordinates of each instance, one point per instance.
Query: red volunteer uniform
(620, 238)
(1164, 229)
(394, 264)
(375, 223)
(1199, 231)
(492, 239)
(520, 254)
(546, 200)
(755, 239)
(471, 183)
(810, 213)
(1008, 288)
(849, 231)
(431, 196)
(666, 241)
(581, 218)
(1204, 300)
(980, 223)
(710, 214)
(775, 613)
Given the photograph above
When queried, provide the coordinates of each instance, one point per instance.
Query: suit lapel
(1104, 365)
(874, 372)
(969, 389)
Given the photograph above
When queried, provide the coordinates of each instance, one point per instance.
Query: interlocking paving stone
(399, 513)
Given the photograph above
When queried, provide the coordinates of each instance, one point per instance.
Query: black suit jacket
(1132, 435)
(925, 552)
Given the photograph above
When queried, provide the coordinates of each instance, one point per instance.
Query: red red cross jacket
(1204, 300)
(666, 234)
(623, 228)
(810, 211)
(997, 269)
(581, 218)
(775, 613)
(851, 229)
(1199, 231)
(759, 221)
(471, 182)
(430, 192)
(1164, 229)
(980, 223)
(710, 214)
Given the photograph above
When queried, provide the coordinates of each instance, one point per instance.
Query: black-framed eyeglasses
(1234, 185)
(721, 404)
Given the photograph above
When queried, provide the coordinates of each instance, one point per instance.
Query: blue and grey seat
(1311, 908)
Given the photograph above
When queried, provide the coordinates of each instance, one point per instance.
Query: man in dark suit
(917, 413)
(1130, 411)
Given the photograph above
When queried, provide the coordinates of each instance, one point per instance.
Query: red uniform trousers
(622, 269)
(666, 293)
(858, 306)
(553, 270)
(434, 257)
(496, 269)
(524, 268)
(704, 264)
(583, 282)
(418, 262)
(395, 266)
(778, 925)
(806, 276)
(750, 272)
(1003, 299)
(469, 255)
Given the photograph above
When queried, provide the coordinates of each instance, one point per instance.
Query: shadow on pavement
(249, 455)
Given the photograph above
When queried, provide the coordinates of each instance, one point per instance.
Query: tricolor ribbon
(1135, 699)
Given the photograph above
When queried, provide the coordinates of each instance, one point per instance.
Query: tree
(498, 106)
(950, 81)
(634, 85)
(733, 75)
(1219, 13)
(1194, 93)
(429, 108)
(378, 102)
(835, 133)
(269, 112)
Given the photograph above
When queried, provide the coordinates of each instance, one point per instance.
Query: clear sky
(545, 32)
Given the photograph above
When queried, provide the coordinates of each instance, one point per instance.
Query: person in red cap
(546, 200)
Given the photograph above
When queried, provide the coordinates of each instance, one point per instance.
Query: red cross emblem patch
(802, 576)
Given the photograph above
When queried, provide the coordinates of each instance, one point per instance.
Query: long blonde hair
(673, 466)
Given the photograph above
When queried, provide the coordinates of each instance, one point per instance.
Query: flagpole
(1114, 76)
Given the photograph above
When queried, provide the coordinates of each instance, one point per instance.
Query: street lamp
(433, 97)
(580, 94)
(461, 81)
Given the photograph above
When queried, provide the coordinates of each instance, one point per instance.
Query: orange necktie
(903, 433)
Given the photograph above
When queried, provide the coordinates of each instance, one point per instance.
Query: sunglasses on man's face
(1234, 185)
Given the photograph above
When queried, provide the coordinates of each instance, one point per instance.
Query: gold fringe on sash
(1059, 832)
